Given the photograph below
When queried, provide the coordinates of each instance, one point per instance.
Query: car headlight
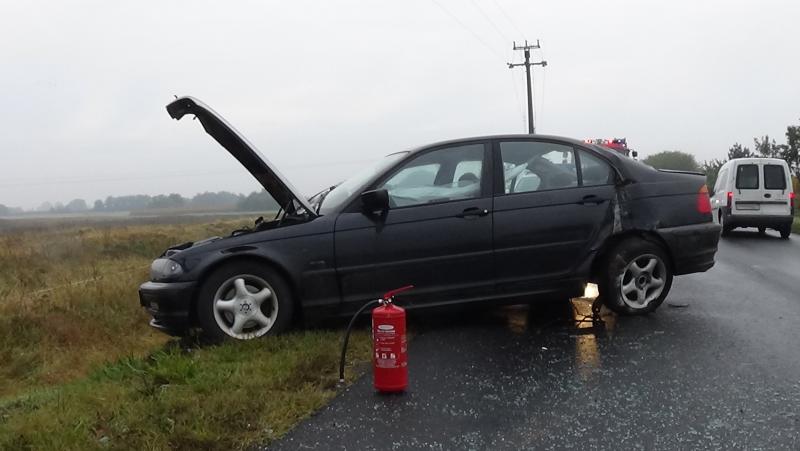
(164, 269)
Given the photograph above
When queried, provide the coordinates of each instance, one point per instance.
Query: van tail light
(703, 201)
(791, 201)
(730, 199)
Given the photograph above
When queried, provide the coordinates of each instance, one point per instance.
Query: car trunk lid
(245, 152)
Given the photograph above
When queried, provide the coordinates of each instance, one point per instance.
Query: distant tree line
(8, 211)
(762, 147)
(216, 201)
(222, 200)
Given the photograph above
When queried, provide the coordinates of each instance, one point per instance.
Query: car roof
(756, 160)
(495, 137)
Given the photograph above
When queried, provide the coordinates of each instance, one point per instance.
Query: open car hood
(247, 154)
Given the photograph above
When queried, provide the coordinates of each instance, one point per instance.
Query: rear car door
(747, 194)
(552, 202)
(776, 190)
(436, 235)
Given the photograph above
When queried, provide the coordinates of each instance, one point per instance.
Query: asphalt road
(718, 369)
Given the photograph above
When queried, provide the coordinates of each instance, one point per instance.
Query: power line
(491, 22)
(80, 180)
(508, 18)
(514, 82)
(464, 26)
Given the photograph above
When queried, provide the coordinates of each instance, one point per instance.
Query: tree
(791, 152)
(76, 206)
(98, 205)
(737, 151)
(766, 148)
(4, 211)
(258, 201)
(711, 168)
(171, 201)
(673, 159)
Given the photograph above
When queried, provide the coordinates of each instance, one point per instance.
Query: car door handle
(591, 199)
(473, 212)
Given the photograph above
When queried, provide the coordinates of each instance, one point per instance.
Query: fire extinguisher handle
(392, 293)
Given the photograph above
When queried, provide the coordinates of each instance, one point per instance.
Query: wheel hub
(246, 306)
(642, 281)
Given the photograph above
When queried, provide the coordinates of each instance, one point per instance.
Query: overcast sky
(323, 87)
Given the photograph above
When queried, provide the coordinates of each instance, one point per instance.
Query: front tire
(244, 301)
(637, 277)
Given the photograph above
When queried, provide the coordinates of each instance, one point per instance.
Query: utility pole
(527, 49)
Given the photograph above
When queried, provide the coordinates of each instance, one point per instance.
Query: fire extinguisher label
(386, 341)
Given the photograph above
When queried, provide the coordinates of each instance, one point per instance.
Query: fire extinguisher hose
(347, 335)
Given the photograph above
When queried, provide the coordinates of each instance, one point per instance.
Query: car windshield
(334, 198)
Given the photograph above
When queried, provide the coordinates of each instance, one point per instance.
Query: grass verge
(223, 397)
(82, 370)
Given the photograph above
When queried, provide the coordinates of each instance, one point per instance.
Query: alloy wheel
(245, 306)
(642, 281)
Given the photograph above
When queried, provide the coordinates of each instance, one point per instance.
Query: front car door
(552, 202)
(436, 234)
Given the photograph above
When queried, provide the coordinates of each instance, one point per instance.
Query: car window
(537, 166)
(452, 173)
(774, 177)
(747, 176)
(595, 171)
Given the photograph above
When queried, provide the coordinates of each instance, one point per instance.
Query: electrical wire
(464, 26)
(491, 22)
(508, 18)
(514, 82)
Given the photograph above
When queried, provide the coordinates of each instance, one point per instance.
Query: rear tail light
(703, 201)
(730, 199)
(791, 202)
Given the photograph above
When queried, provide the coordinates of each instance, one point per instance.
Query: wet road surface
(722, 371)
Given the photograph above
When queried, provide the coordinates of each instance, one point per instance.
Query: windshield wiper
(322, 197)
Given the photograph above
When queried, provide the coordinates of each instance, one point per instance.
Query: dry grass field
(81, 369)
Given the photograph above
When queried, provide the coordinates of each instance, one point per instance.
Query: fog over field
(326, 87)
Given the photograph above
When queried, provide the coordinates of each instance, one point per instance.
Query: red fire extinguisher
(389, 345)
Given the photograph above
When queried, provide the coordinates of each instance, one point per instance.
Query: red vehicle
(618, 144)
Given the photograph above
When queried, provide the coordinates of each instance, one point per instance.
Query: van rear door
(747, 194)
(776, 190)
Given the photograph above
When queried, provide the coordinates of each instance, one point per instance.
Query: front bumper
(169, 304)
(692, 247)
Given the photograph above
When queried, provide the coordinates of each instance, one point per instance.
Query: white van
(754, 192)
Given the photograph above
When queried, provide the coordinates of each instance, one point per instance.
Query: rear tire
(242, 301)
(762, 230)
(786, 231)
(725, 230)
(637, 278)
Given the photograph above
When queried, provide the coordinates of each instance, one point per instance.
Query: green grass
(81, 369)
(224, 397)
(796, 225)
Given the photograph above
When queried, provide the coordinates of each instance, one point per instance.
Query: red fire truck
(618, 144)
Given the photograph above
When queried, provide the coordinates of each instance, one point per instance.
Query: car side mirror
(634, 154)
(375, 200)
